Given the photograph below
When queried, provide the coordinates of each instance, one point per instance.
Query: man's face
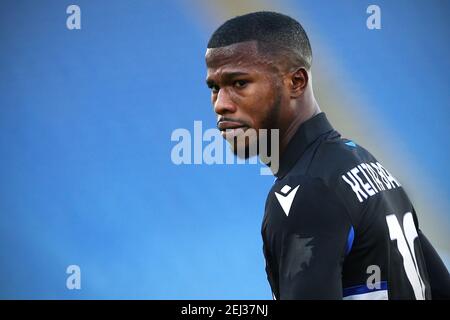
(246, 91)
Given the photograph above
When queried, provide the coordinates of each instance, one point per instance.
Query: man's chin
(243, 152)
(243, 143)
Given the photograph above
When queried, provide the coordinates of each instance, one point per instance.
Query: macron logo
(286, 199)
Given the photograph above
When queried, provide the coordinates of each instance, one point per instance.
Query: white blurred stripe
(374, 295)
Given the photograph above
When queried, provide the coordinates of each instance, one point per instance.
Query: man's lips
(231, 129)
(228, 125)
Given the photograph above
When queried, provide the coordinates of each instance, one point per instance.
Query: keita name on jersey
(367, 179)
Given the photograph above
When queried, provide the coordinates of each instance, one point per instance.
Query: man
(337, 224)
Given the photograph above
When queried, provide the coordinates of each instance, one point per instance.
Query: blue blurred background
(86, 118)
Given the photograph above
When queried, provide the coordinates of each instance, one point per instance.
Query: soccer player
(337, 223)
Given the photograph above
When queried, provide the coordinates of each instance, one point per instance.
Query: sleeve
(314, 241)
(437, 272)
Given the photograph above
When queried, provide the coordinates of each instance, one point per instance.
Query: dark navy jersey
(339, 225)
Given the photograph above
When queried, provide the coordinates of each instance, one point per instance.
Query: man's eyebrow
(234, 74)
(227, 76)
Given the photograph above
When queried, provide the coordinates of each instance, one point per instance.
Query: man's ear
(298, 82)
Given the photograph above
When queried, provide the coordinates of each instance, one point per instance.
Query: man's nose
(223, 103)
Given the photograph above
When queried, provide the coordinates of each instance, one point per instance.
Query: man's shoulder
(320, 173)
(324, 165)
(334, 157)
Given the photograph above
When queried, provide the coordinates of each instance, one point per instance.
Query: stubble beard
(249, 143)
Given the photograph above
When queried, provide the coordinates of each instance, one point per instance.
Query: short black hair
(273, 29)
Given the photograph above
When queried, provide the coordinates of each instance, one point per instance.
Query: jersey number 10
(405, 243)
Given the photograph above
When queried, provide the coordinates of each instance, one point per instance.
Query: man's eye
(240, 83)
(214, 88)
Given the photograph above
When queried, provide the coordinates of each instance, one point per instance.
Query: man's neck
(289, 133)
(303, 115)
